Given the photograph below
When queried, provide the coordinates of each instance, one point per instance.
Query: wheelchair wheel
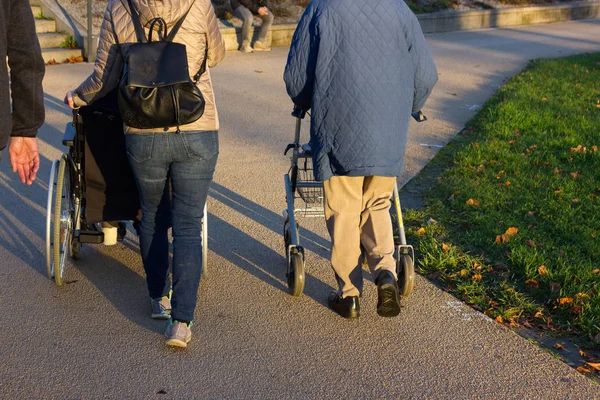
(295, 275)
(49, 219)
(63, 221)
(406, 275)
(204, 241)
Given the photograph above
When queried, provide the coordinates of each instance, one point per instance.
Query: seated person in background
(245, 10)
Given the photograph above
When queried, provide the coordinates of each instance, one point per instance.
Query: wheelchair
(304, 198)
(89, 184)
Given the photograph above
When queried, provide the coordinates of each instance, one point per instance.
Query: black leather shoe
(346, 307)
(388, 300)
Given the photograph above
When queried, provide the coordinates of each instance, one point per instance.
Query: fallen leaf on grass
(530, 243)
(472, 202)
(554, 287)
(596, 366)
(445, 248)
(476, 267)
(558, 346)
(542, 270)
(581, 297)
(512, 142)
(421, 232)
(477, 277)
(565, 300)
(544, 99)
(575, 174)
(539, 315)
(583, 369)
(575, 310)
(532, 283)
(464, 272)
(596, 271)
(499, 319)
(557, 191)
(511, 231)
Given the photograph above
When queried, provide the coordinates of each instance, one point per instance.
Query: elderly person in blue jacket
(362, 67)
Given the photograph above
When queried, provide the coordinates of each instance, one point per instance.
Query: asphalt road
(93, 338)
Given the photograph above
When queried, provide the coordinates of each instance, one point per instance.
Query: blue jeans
(188, 161)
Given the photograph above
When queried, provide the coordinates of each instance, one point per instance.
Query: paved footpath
(93, 338)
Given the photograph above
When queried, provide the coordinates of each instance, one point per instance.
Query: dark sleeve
(26, 71)
(299, 75)
(234, 4)
(426, 75)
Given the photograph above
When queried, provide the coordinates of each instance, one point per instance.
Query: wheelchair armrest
(69, 137)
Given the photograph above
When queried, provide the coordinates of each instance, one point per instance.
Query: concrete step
(51, 40)
(59, 55)
(45, 25)
(36, 10)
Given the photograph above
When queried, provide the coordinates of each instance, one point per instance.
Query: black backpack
(156, 90)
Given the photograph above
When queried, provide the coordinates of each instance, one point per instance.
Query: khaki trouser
(358, 219)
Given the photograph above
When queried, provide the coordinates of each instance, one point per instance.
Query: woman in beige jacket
(187, 158)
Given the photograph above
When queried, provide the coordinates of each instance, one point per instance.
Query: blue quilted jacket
(362, 66)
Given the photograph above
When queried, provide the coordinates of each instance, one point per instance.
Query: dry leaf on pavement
(558, 346)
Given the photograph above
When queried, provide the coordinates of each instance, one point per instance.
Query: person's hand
(24, 157)
(263, 11)
(69, 100)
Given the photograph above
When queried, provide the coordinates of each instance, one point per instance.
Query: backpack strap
(176, 27)
(202, 69)
(137, 25)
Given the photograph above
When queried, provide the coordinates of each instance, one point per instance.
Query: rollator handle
(298, 112)
(419, 116)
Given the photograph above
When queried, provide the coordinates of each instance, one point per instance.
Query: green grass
(69, 43)
(529, 161)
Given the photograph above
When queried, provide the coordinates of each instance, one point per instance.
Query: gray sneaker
(178, 333)
(246, 48)
(259, 46)
(161, 307)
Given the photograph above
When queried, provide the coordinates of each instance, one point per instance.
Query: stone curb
(443, 21)
(447, 21)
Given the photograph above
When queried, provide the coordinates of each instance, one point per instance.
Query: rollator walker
(304, 197)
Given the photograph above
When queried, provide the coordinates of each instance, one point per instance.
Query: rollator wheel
(406, 275)
(49, 219)
(296, 274)
(63, 221)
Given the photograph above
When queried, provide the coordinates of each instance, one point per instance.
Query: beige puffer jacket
(199, 30)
